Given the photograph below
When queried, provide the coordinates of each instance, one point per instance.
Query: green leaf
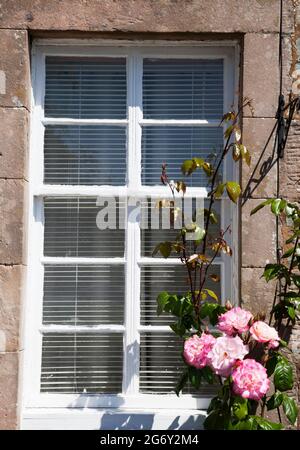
(277, 206)
(271, 364)
(215, 403)
(180, 186)
(208, 169)
(165, 248)
(182, 382)
(199, 234)
(162, 301)
(217, 420)
(240, 407)
(288, 253)
(291, 312)
(290, 408)
(236, 152)
(188, 166)
(219, 190)
(228, 116)
(208, 374)
(212, 294)
(212, 311)
(199, 162)
(233, 190)
(275, 401)
(228, 131)
(245, 154)
(238, 134)
(247, 424)
(178, 328)
(265, 424)
(283, 375)
(260, 206)
(296, 280)
(213, 217)
(195, 377)
(274, 271)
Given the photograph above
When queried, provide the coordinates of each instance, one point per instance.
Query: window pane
(151, 214)
(183, 88)
(85, 88)
(85, 155)
(172, 145)
(83, 294)
(82, 363)
(71, 228)
(160, 362)
(173, 279)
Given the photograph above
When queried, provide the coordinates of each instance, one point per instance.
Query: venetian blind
(79, 89)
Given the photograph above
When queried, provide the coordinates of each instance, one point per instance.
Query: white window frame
(31, 399)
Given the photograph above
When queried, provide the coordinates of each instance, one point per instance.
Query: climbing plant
(245, 354)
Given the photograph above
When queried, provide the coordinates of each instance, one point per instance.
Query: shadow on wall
(146, 421)
(114, 417)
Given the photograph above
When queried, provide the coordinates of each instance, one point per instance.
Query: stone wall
(254, 22)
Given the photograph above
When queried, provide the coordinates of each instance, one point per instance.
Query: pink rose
(234, 321)
(196, 349)
(262, 332)
(224, 354)
(250, 379)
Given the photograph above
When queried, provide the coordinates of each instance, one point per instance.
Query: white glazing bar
(131, 335)
(155, 328)
(169, 261)
(82, 329)
(74, 260)
(69, 121)
(180, 123)
(60, 190)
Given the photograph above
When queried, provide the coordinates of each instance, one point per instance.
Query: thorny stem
(212, 196)
(279, 415)
(263, 407)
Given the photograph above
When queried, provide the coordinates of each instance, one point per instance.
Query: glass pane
(173, 279)
(91, 155)
(72, 228)
(82, 363)
(161, 365)
(183, 88)
(85, 88)
(83, 294)
(152, 215)
(172, 145)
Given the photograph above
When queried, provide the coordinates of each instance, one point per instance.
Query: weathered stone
(143, 15)
(12, 221)
(14, 68)
(258, 236)
(289, 173)
(14, 142)
(256, 294)
(260, 179)
(10, 298)
(8, 390)
(261, 73)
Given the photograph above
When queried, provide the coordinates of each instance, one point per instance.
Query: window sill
(111, 419)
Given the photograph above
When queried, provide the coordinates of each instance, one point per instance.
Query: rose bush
(224, 344)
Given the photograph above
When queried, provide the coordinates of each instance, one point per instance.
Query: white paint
(36, 407)
(108, 419)
(2, 341)
(2, 83)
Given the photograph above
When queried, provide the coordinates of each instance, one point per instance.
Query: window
(104, 119)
